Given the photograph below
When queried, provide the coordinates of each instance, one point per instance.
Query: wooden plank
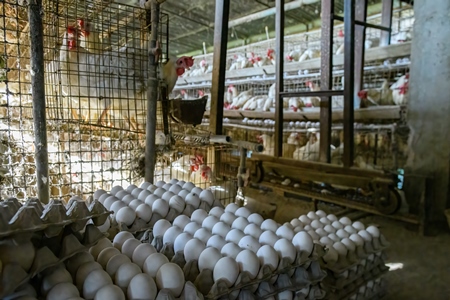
(372, 54)
(388, 112)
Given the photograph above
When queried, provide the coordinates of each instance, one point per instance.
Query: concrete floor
(425, 272)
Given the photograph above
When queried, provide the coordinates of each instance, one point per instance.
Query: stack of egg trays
(50, 222)
(140, 225)
(304, 273)
(356, 269)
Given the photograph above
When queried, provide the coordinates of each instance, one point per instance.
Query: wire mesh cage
(96, 59)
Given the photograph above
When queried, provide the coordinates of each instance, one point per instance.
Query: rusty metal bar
(326, 80)
(349, 67)
(38, 96)
(279, 88)
(152, 96)
(363, 23)
(219, 65)
(323, 93)
(360, 37)
(386, 21)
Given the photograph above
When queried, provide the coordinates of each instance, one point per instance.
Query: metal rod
(364, 24)
(326, 80)
(221, 139)
(324, 93)
(219, 65)
(279, 88)
(249, 146)
(152, 96)
(386, 21)
(349, 67)
(360, 37)
(242, 166)
(38, 96)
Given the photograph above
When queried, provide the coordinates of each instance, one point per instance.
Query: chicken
(259, 61)
(340, 42)
(293, 139)
(173, 68)
(400, 90)
(230, 94)
(208, 102)
(312, 101)
(239, 101)
(375, 42)
(294, 55)
(203, 68)
(89, 37)
(120, 77)
(241, 62)
(270, 55)
(272, 91)
(268, 103)
(269, 146)
(310, 151)
(380, 96)
(295, 103)
(309, 54)
(202, 175)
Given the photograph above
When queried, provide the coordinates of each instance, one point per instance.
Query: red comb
(71, 29)
(80, 22)
(340, 33)
(407, 75)
(362, 94)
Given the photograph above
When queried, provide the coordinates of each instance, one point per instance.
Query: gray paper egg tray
(354, 287)
(353, 258)
(51, 218)
(14, 276)
(309, 292)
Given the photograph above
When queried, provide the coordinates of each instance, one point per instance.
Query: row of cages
(96, 72)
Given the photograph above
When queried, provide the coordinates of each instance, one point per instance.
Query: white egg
(120, 238)
(117, 189)
(285, 232)
(350, 229)
(153, 262)
(135, 193)
(191, 228)
(325, 221)
(129, 246)
(334, 237)
(177, 203)
(374, 231)
(94, 282)
(125, 273)
(250, 243)
(109, 201)
(167, 186)
(308, 228)
(340, 248)
(142, 286)
(209, 222)
(226, 269)
(216, 212)
(103, 197)
(151, 188)
(357, 239)
(345, 221)
(173, 181)
(160, 227)
(242, 212)
(135, 203)
(321, 232)
(181, 240)
(221, 229)
(285, 295)
(296, 222)
(181, 221)
(358, 225)
(193, 199)
(188, 186)
(141, 253)
(256, 219)
(145, 185)
(298, 229)
(203, 235)
(175, 189)
(64, 290)
(269, 224)
(325, 240)
(160, 207)
(240, 223)
(268, 238)
(329, 229)
(314, 235)
(181, 182)
(248, 262)
(159, 192)
(171, 234)
(208, 259)
(167, 195)
(312, 216)
(321, 213)
(143, 195)
(232, 208)
(58, 275)
(285, 249)
(77, 260)
(171, 277)
(127, 199)
(95, 250)
(207, 196)
(268, 256)
(302, 241)
(116, 206)
(126, 216)
(198, 216)
(332, 256)
(216, 241)
(305, 220)
(151, 199)
(365, 235)
(121, 194)
(253, 230)
(351, 246)
(144, 212)
(230, 250)
(160, 183)
(228, 218)
(193, 249)
(234, 235)
(83, 271)
(332, 218)
(197, 190)
(183, 194)
(105, 255)
(341, 233)
(337, 225)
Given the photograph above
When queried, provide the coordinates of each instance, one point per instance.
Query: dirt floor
(422, 263)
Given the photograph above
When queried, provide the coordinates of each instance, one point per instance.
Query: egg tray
(353, 288)
(339, 282)
(33, 216)
(309, 292)
(13, 276)
(353, 258)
